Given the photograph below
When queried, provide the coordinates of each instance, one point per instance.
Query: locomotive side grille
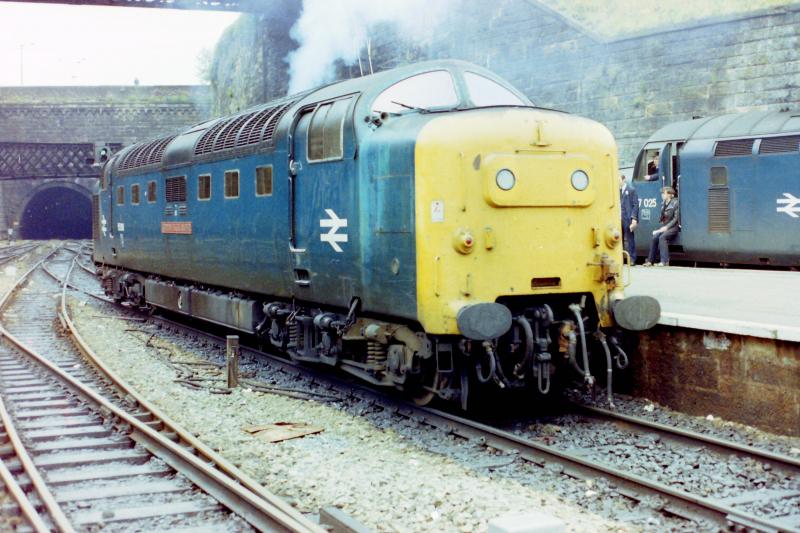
(734, 148)
(227, 137)
(719, 211)
(145, 154)
(95, 217)
(176, 189)
(157, 153)
(776, 145)
(252, 134)
(206, 143)
(269, 131)
(130, 158)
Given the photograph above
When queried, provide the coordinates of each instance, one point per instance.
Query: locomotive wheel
(423, 397)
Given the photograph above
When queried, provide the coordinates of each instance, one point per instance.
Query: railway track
(15, 251)
(711, 512)
(721, 512)
(80, 452)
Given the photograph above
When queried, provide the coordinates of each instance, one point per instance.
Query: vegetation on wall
(632, 17)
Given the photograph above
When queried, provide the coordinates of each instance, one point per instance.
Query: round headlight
(580, 180)
(505, 179)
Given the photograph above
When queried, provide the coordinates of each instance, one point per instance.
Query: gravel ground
(390, 477)
(708, 425)
(416, 478)
(10, 272)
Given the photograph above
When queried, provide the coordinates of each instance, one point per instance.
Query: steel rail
(681, 503)
(255, 500)
(58, 517)
(25, 506)
(721, 445)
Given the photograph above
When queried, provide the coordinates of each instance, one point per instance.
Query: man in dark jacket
(629, 202)
(670, 226)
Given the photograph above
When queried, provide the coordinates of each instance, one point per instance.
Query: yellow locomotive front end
(518, 239)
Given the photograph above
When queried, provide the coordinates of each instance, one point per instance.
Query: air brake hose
(519, 368)
(587, 377)
(492, 366)
(621, 358)
(609, 367)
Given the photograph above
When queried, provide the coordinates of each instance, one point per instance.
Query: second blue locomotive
(738, 179)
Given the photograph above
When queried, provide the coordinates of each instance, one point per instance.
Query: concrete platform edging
(737, 327)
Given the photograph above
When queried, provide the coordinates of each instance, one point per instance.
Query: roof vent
(734, 148)
(776, 145)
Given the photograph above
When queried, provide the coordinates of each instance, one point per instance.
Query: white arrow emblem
(791, 207)
(334, 223)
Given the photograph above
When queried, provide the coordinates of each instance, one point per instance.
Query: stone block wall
(746, 379)
(98, 114)
(633, 85)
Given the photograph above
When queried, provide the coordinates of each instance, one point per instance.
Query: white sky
(84, 45)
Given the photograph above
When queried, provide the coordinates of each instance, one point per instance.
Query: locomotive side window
(204, 187)
(231, 184)
(120, 195)
(103, 181)
(264, 181)
(484, 92)
(135, 194)
(151, 192)
(325, 132)
(719, 176)
(176, 189)
(421, 93)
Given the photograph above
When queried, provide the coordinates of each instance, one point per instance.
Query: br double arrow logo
(791, 205)
(335, 224)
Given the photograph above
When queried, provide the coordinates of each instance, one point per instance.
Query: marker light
(580, 180)
(505, 179)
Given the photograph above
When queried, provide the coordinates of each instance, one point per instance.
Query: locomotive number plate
(176, 228)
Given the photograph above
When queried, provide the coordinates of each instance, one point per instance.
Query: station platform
(757, 303)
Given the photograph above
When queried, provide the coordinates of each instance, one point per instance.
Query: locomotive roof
(731, 125)
(258, 125)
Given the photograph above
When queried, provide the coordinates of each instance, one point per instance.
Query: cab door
(649, 193)
(323, 225)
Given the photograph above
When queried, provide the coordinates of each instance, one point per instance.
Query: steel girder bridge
(238, 6)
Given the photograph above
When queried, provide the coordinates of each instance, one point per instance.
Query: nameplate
(176, 228)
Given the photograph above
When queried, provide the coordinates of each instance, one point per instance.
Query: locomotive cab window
(204, 187)
(649, 163)
(264, 181)
(485, 93)
(120, 195)
(135, 194)
(423, 92)
(151, 192)
(326, 131)
(176, 189)
(231, 184)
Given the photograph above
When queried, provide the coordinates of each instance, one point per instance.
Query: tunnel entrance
(57, 213)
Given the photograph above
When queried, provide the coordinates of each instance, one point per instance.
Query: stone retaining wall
(746, 379)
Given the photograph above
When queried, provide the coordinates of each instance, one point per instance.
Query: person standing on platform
(629, 203)
(670, 226)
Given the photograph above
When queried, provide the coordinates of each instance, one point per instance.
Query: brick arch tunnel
(57, 212)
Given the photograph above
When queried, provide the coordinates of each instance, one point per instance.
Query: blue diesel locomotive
(423, 228)
(738, 180)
